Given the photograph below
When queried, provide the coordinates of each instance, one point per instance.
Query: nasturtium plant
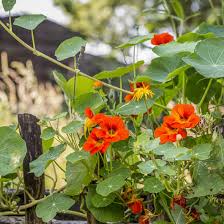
(141, 143)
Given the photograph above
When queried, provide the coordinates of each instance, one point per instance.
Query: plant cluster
(154, 155)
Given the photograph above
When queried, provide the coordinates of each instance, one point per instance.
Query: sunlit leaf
(69, 48)
(29, 22)
(56, 203)
(72, 127)
(8, 4)
(153, 185)
(12, 150)
(208, 58)
(48, 133)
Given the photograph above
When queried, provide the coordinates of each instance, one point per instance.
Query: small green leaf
(173, 48)
(12, 150)
(134, 41)
(8, 4)
(69, 48)
(139, 107)
(29, 22)
(110, 185)
(39, 165)
(153, 185)
(118, 72)
(48, 133)
(202, 151)
(120, 171)
(79, 174)
(72, 127)
(56, 203)
(149, 166)
(99, 201)
(161, 67)
(208, 58)
(113, 213)
(77, 156)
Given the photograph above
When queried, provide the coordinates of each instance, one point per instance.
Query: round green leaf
(69, 48)
(113, 213)
(79, 174)
(12, 150)
(161, 67)
(48, 209)
(99, 201)
(39, 165)
(8, 4)
(153, 185)
(29, 22)
(174, 48)
(208, 58)
(202, 151)
(149, 166)
(110, 185)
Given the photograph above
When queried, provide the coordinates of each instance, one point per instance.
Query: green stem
(56, 163)
(205, 94)
(213, 8)
(33, 40)
(166, 6)
(40, 54)
(161, 106)
(183, 87)
(10, 21)
(121, 87)
(222, 12)
(134, 70)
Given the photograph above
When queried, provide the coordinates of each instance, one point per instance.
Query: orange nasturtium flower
(96, 142)
(97, 84)
(115, 129)
(168, 134)
(140, 90)
(91, 119)
(173, 128)
(136, 206)
(183, 116)
(162, 38)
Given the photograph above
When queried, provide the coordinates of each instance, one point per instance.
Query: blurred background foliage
(113, 21)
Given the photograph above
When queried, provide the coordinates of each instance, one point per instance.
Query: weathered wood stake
(30, 132)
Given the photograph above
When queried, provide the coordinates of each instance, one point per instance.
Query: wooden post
(30, 132)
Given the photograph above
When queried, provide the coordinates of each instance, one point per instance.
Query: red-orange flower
(115, 129)
(89, 113)
(183, 116)
(97, 84)
(96, 142)
(179, 200)
(128, 98)
(195, 214)
(162, 38)
(136, 206)
(168, 134)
